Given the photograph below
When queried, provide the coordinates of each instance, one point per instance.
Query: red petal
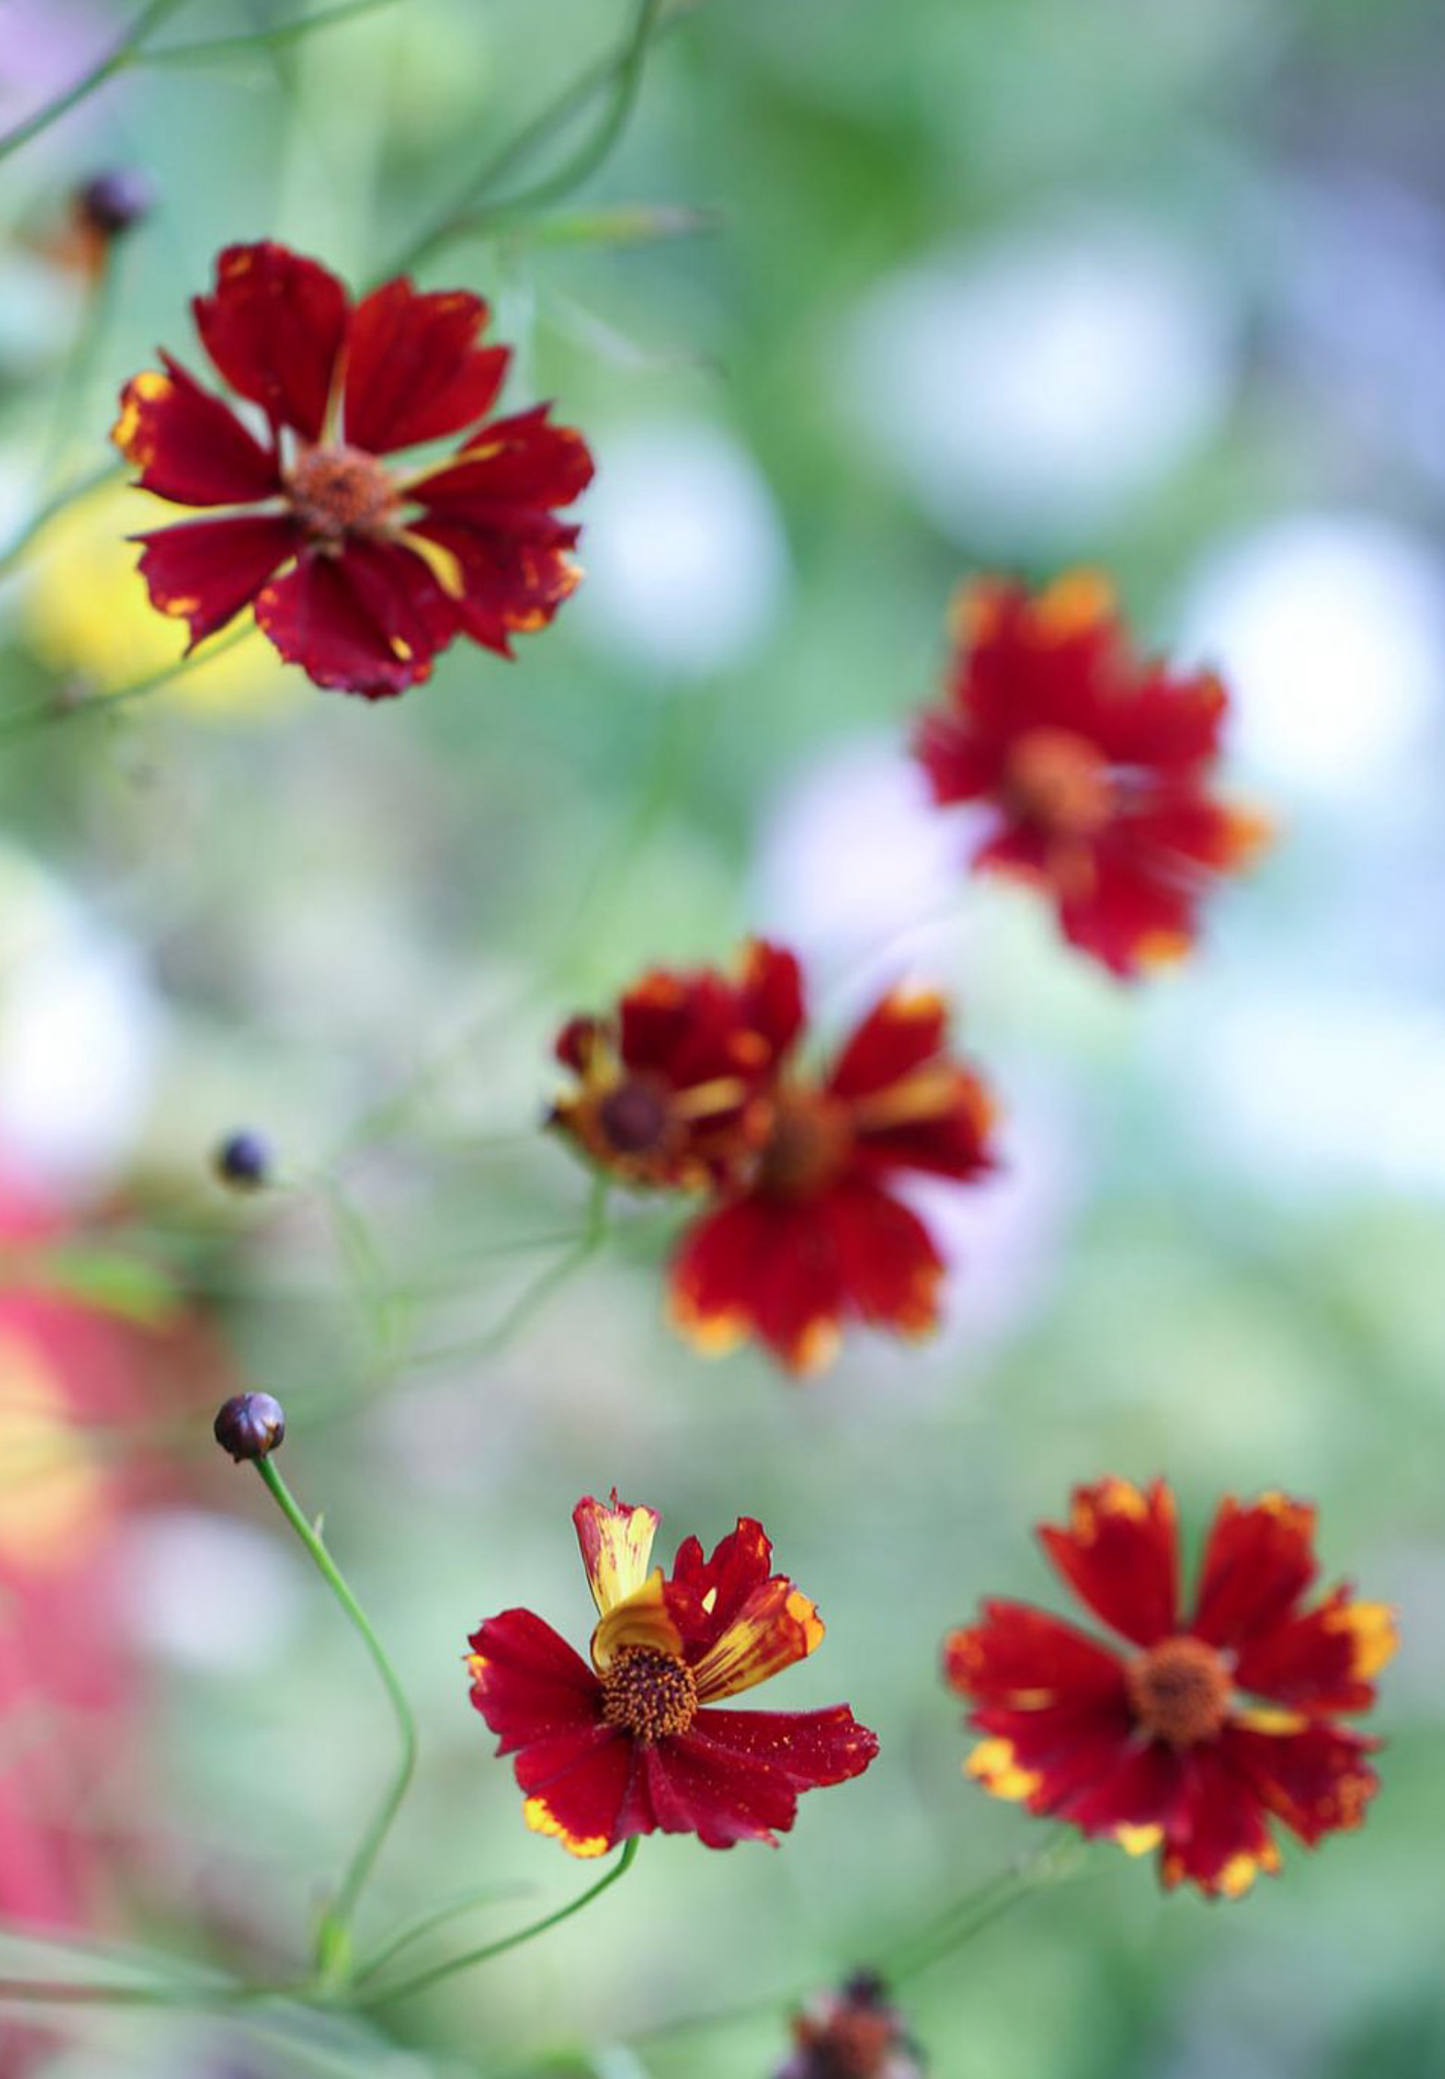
(1218, 1836)
(1317, 1780)
(1166, 724)
(1257, 1565)
(771, 991)
(518, 464)
(413, 368)
(511, 574)
(275, 326)
(737, 1775)
(765, 1628)
(581, 1788)
(1129, 909)
(527, 1682)
(1023, 1659)
(367, 621)
(1120, 1553)
(1323, 1660)
(740, 1564)
(688, 1029)
(204, 571)
(886, 1263)
(188, 445)
(959, 764)
(762, 1268)
(1055, 1756)
(901, 1033)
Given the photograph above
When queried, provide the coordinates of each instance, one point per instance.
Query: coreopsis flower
(1098, 767)
(672, 1087)
(636, 1742)
(853, 2033)
(1203, 1728)
(356, 570)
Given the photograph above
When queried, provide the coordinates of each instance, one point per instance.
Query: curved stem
(47, 711)
(426, 1923)
(262, 39)
(116, 60)
(332, 1942)
(39, 520)
(381, 1995)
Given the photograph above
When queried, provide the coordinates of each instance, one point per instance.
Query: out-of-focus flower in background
(854, 2033)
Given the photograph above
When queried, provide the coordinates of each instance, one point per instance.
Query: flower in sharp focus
(357, 571)
(672, 1086)
(812, 1232)
(1098, 766)
(1202, 1728)
(636, 1742)
(853, 2033)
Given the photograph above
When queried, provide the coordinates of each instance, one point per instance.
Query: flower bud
(854, 2033)
(250, 1425)
(243, 1161)
(116, 201)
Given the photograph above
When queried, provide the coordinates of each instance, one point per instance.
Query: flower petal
(579, 1788)
(758, 1267)
(1125, 907)
(275, 325)
(1054, 1754)
(616, 1542)
(188, 445)
(770, 987)
(413, 369)
(1218, 1837)
(888, 1266)
(519, 464)
(1026, 1660)
(1257, 1564)
(1120, 1553)
(737, 1775)
(204, 571)
(776, 1626)
(902, 1032)
(1315, 1778)
(527, 1682)
(1322, 1660)
(507, 577)
(368, 621)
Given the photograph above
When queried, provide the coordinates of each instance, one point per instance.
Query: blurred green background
(978, 284)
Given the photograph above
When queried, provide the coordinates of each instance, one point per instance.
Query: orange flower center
(1179, 1691)
(634, 1118)
(850, 2046)
(337, 491)
(808, 1144)
(649, 1693)
(1060, 780)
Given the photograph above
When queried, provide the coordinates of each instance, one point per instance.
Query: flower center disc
(339, 490)
(649, 1693)
(1179, 1691)
(634, 1118)
(1060, 780)
(807, 1145)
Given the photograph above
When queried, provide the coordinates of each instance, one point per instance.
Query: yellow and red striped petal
(615, 1538)
(776, 1626)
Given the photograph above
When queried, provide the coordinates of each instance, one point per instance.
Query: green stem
(535, 1295)
(621, 70)
(125, 53)
(47, 711)
(262, 39)
(332, 1942)
(426, 1923)
(382, 1995)
(41, 518)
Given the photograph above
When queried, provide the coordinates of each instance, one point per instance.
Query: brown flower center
(808, 1144)
(851, 2045)
(649, 1693)
(337, 491)
(1060, 780)
(634, 1118)
(1179, 1691)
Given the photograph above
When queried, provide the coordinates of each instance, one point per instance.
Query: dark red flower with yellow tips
(673, 1085)
(811, 1231)
(635, 1743)
(357, 571)
(1098, 767)
(1207, 1727)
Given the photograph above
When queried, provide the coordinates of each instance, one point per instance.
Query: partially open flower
(636, 1743)
(1208, 1725)
(1099, 767)
(356, 570)
(853, 2033)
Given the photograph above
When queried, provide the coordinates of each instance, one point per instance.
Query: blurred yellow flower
(87, 614)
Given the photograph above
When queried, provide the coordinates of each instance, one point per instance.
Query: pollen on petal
(542, 1820)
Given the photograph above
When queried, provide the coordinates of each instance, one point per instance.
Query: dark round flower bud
(243, 1160)
(114, 202)
(251, 1425)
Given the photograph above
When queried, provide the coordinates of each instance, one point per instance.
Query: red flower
(812, 1231)
(673, 1085)
(1163, 1746)
(357, 572)
(854, 2033)
(1098, 767)
(634, 1743)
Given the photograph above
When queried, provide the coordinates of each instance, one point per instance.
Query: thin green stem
(51, 711)
(621, 70)
(978, 1909)
(261, 39)
(382, 1995)
(426, 1923)
(116, 60)
(334, 1930)
(41, 518)
(529, 1302)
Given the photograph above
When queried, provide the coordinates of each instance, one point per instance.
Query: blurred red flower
(805, 1229)
(853, 2033)
(1098, 766)
(359, 573)
(634, 1743)
(1166, 1746)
